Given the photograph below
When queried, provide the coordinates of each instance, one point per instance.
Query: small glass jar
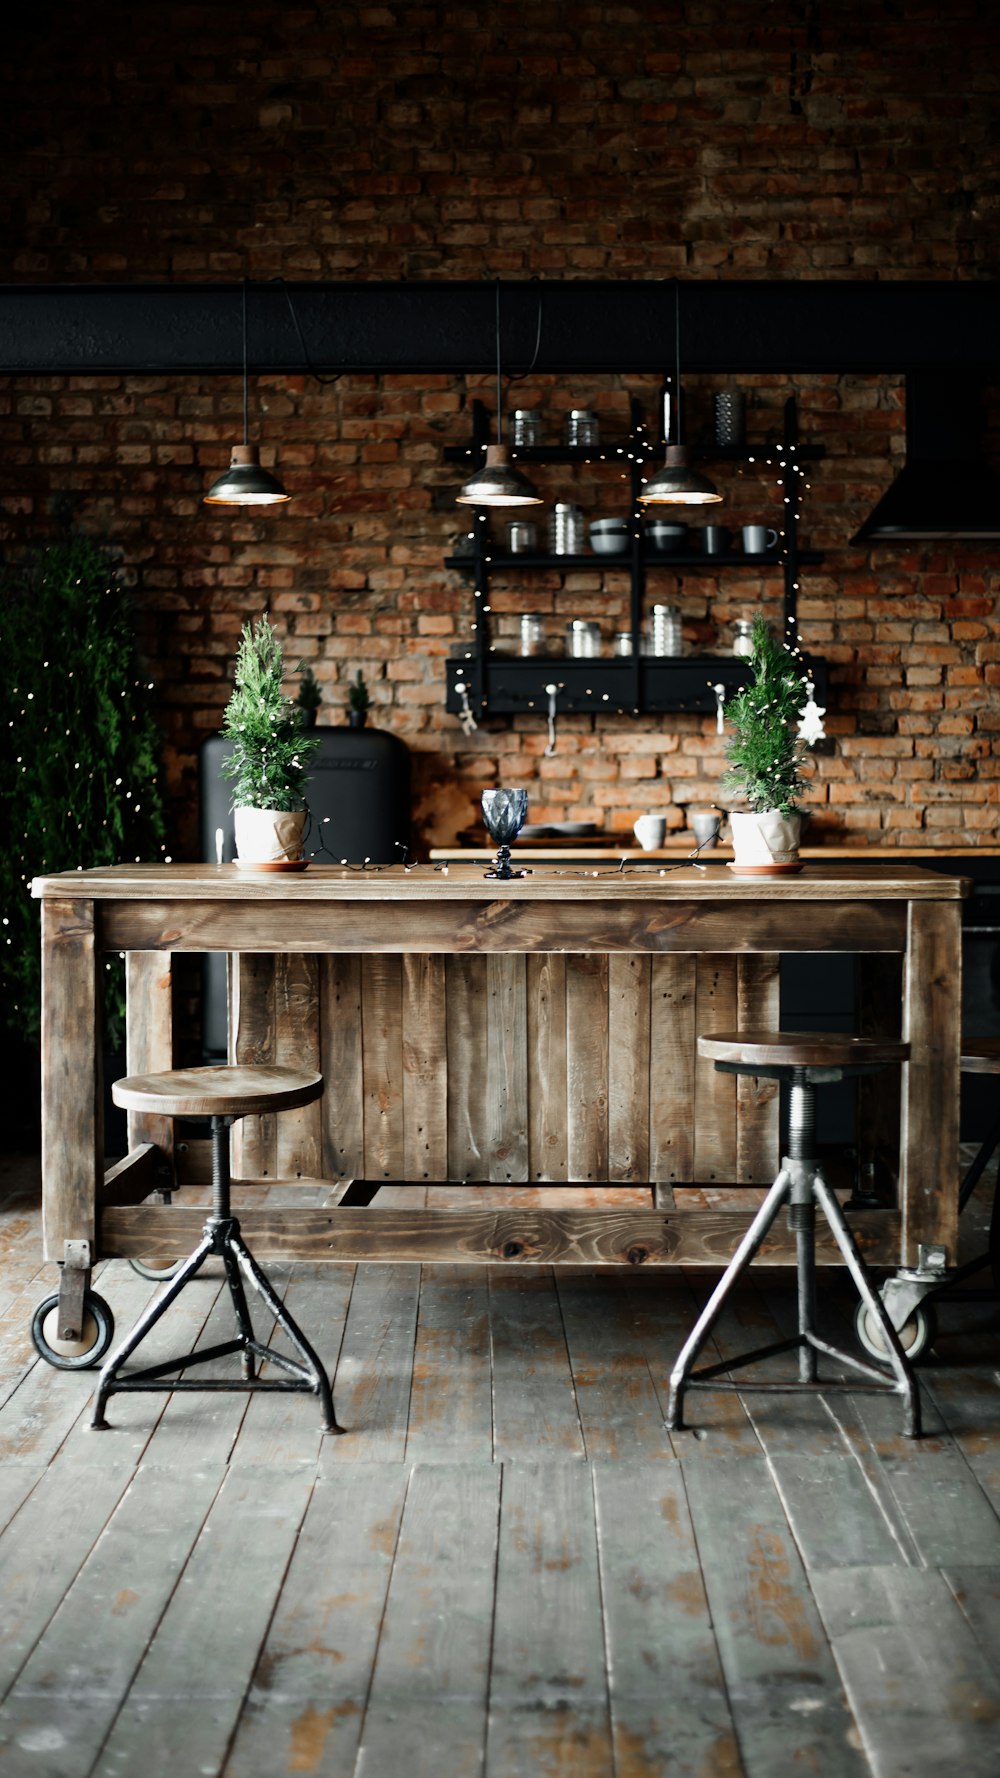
(623, 642)
(743, 638)
(583, 639)
(566, 529)
(525, 428)
(582, 428)
(532, 633)
(522, 537)
(665, 631)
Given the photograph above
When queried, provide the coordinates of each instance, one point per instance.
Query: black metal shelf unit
(482, 679)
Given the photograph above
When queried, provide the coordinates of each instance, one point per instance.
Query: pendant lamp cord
(677, 358)
(499, 415)
(246, 399)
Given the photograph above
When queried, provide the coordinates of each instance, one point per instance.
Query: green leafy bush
(79, 763)
(765, 753)
(269, 752)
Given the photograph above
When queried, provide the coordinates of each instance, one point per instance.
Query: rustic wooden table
(540, 1030)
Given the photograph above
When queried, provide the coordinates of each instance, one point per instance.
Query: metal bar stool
(223, 1095)
(805, 1060)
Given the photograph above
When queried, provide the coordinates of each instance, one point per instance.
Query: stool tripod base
(802, 1187)
(304, 1374)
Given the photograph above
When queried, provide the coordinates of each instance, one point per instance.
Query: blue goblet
(503, 813)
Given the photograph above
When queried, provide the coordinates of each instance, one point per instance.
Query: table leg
(932, 1024)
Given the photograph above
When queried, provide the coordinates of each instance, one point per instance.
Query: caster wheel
(160, 1273)
(916, 1336)
(73, 1355)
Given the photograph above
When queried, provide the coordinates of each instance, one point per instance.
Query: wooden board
(531, 1237)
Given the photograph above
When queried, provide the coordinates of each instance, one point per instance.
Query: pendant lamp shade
(245, 483)
(677, 484)
(498, 482)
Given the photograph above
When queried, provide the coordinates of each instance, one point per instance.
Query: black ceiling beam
(440, 326)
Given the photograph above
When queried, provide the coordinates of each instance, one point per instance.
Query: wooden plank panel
(534, 1402)
(425, 1069)
(628, 1067)
(426, 1713)
(673, 1006)
(195, 1673)
(940, 1711)
(531, 1236)
(79, 1499)
(947, 1514)
(382, 1048)
(375, 1371)
(252, 1038)
(451, 1402)
(305, 1708)
(836, 1515)
(545, 983)
(298, 1134)
(668, 1702)
(134, 1568)
(468, 1140)
(341, 1061)
(548, 1687)
(775, 1655)
(757, 1101)
(506, 1080)
(619, 1411)
(72, 1100)
(715, 1094)
(149, 1043)
(595, 922)
(587, 1067)
(928, 1184)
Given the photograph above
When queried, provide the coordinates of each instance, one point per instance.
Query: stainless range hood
(946, 489)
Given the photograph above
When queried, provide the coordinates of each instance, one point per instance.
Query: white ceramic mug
(649, 830)
(758, 539)
(705, 825)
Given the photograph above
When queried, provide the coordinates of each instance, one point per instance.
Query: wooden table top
(876, 879)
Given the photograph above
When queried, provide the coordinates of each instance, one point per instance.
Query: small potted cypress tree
(765, 755)
(269, 756)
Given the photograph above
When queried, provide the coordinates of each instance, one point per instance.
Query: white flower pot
(268, 836)
(765, 838)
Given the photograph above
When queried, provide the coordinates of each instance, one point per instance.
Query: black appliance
(359, 806)
(945, 487)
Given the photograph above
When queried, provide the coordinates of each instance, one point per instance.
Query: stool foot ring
(806, 1340)
(222, 1237)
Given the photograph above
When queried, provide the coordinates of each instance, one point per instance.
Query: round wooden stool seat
(799, 1049)
(218, 1091)
(980, 1055)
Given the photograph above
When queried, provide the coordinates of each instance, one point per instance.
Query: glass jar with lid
(743, 637)
(582, 428)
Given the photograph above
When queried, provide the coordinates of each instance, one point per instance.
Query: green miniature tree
(269, 752)
(358, 700)
(765, 752)
(79, 765)
(309, 696)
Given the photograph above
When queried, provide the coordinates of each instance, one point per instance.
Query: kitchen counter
(541, 1029)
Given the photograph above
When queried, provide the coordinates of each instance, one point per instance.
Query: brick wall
(514, 140)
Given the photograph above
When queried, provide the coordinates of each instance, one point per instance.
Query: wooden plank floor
(507, 1568)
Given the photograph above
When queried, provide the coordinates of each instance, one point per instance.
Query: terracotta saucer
(273, 864)
(765, 870)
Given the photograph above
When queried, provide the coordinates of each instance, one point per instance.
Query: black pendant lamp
(677, 484)
(245, 482)
(498, 482)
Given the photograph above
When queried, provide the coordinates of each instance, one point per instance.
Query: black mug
(715, 540)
